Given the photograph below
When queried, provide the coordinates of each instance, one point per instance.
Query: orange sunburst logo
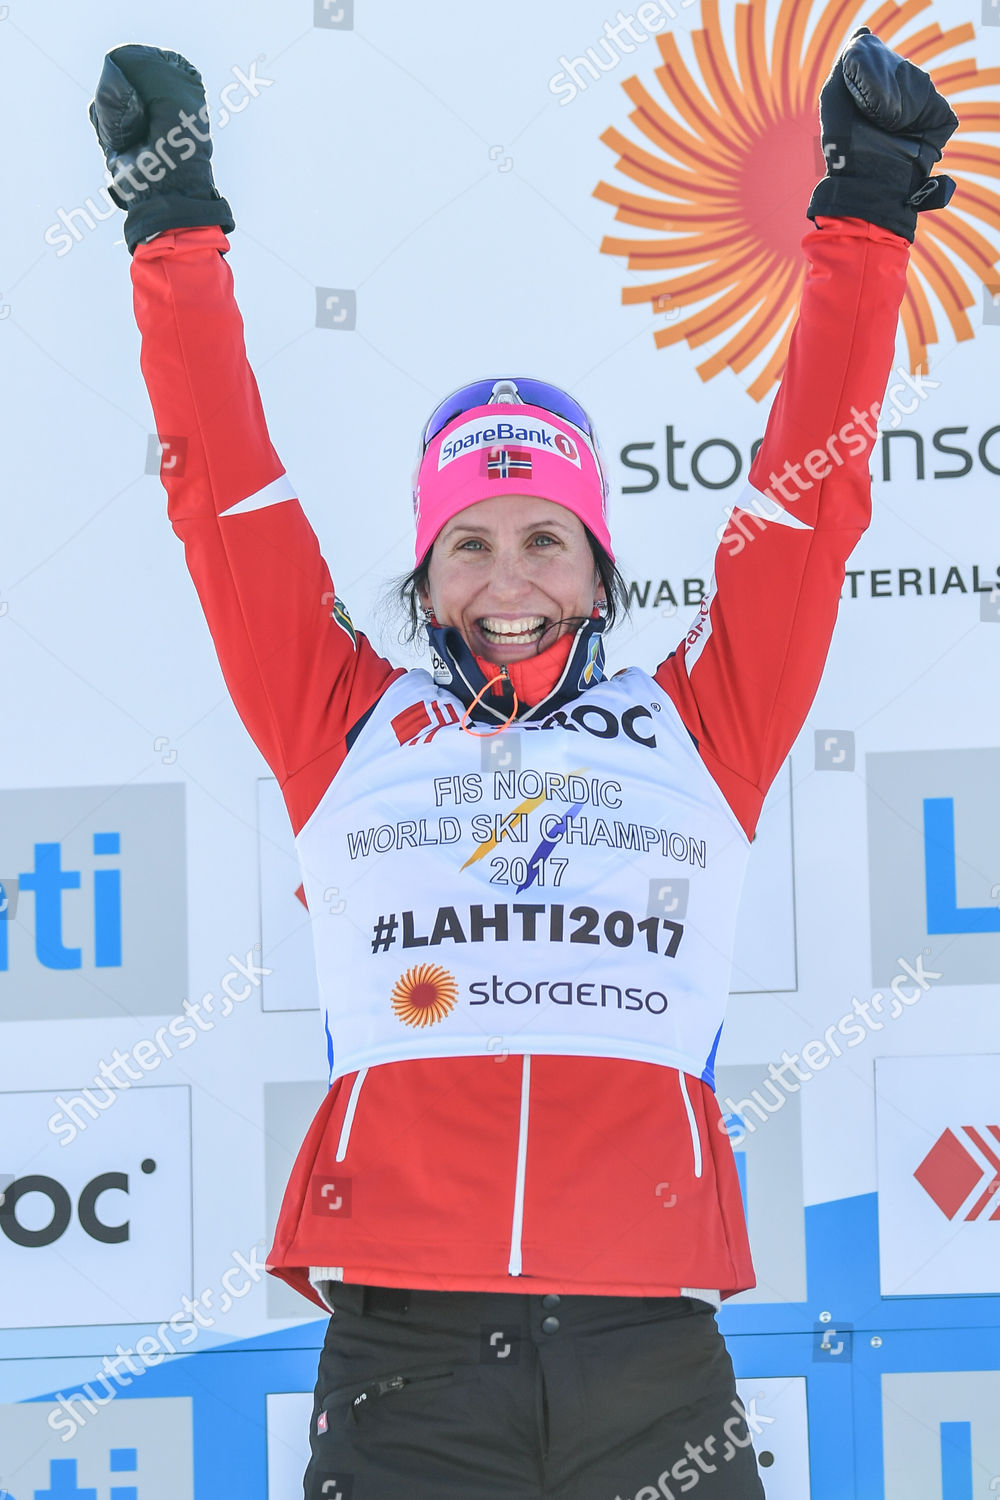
(424, 994)
(732, 164)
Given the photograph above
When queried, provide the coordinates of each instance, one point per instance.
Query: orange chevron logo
(727, 163)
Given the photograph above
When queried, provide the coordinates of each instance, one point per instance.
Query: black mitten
(152, 121)
(883, 127)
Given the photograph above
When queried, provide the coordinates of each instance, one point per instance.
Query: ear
(427, 607)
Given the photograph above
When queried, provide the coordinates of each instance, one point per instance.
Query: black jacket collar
(455, 667)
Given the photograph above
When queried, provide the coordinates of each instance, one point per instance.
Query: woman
(517, 1200)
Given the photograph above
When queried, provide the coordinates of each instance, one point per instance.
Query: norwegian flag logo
(508, 463)
(960, 1165)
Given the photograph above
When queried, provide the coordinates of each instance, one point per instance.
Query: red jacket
(431, 1147)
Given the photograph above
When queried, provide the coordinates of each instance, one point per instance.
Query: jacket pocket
(389, 1389)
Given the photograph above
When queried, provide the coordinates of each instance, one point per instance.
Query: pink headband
(508, 449)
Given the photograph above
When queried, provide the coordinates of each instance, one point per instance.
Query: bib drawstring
(501, 675)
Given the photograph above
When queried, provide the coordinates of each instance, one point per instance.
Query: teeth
(513, 632)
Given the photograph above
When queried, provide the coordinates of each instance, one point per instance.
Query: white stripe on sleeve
(272, 494)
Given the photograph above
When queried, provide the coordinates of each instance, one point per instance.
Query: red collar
(535, 677)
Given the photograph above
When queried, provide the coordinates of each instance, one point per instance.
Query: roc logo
(424, 995)
(722, 196)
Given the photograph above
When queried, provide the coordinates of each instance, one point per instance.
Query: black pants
(499, 1396)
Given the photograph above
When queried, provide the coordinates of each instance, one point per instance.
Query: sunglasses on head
(521, 389)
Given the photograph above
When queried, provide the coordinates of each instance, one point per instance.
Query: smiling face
(512, 573)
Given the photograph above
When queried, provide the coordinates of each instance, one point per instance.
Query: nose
(507, 580)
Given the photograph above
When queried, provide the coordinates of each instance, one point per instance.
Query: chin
(520, 653)
(523, 651)
(503, 654)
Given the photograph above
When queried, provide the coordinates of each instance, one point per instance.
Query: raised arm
(299, 674)
(745, 674)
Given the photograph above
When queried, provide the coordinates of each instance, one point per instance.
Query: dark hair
(407, 590)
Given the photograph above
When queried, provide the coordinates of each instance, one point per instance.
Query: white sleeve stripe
(272, 494)
(769, 509)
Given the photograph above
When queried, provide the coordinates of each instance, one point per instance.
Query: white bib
(569, 886)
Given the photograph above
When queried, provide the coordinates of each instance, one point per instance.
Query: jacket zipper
(542, 707)
(692, 1125)
(352, 1104)
(514, 1264)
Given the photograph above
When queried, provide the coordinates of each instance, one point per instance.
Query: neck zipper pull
(502, 674)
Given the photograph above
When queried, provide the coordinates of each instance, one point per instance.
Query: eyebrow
(470, 529)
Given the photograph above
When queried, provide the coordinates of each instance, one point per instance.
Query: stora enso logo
(723, 172)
